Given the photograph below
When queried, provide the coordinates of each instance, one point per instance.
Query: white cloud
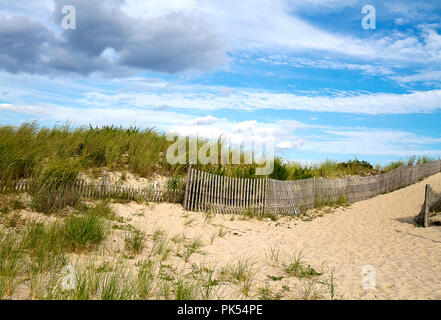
(99, 116)
(375, 103)
(368, 69)
(204, 121)
(399, 21)
(291, 144)
(374, 142)
(279, 133)
(422, 76)
(275, 26)
(285, 135)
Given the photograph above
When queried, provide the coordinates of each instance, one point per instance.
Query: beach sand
(377, 232)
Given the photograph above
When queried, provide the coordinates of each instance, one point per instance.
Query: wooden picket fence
(102, 191)
(220, 194)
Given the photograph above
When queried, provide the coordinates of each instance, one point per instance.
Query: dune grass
(54, 156)
(135, 241)
(10, 263)
(82, 232)
(25, 151)
(295, 266)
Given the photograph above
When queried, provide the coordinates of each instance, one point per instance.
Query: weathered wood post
(187, 187)
(422, 219)
(265, 198)
(104, 183)
(427, 207)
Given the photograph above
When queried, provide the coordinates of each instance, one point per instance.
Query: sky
(306, 75)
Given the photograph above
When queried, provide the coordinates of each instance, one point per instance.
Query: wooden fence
(205, 191)
(220, 194)
(107, 191)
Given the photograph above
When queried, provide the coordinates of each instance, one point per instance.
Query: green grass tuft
(84, 231)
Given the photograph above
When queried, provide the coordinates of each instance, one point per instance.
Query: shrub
(298, 171)
(84, 231)
(280, 171)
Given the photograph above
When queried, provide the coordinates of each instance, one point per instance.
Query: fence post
(187, 194)
(426, 207)
(265, 188)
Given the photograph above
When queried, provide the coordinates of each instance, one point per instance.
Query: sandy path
(377, 232)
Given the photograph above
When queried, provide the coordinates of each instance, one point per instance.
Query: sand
(377, 232)
(125, 179)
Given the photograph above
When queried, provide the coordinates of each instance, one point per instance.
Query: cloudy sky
(304, 74)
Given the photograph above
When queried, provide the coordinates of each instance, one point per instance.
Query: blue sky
(303, 74)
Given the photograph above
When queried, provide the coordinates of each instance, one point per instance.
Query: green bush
(298, 171)
(84, 231)
(280, 171)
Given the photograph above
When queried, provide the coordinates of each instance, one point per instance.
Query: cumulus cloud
(22, 44)
(172, 44)
(173, 37)
(282, 134)
(204, 121)
(109, 41)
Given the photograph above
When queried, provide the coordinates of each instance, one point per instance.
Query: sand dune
(378, 232)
